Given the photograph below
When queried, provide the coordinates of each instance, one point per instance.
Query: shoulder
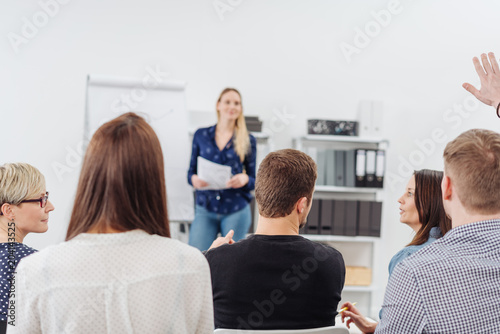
(425, 256)
(226, 250)
(319, 248)
(252, 138)
(37, 260)
(327, 259)
(205, 132)
(410, 250)
(24, 250)
(435, 233)
(404, 253)
(189, 256)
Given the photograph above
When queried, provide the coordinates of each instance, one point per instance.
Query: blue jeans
(206, 225)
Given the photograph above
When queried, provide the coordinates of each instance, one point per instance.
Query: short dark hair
(283, 178)
(122, 182)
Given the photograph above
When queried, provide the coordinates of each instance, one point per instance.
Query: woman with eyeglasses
(24, 208)
(118, 271)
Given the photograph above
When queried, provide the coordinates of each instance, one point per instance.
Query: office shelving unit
(358, 250)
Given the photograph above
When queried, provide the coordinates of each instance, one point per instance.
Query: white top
(129, 282)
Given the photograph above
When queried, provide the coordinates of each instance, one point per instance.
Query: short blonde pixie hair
(19, 182)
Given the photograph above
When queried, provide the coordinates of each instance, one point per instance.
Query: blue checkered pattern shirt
(451, 286)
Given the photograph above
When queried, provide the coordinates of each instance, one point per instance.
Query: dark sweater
(275, 282)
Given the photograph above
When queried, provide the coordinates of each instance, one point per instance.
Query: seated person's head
(427, 210)
(122, 182)
(284, 183)
(472, 166)
(24, 198)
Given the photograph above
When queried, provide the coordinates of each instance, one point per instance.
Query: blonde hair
(472, 162)
(20, 181)
(241, 138)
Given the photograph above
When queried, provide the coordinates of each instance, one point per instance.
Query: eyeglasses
(43, 200)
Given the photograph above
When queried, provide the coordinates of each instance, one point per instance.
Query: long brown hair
(241, 138)
(122, 182)
(429, 204)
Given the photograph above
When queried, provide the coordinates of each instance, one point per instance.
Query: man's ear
(301, 204)
(446, 188)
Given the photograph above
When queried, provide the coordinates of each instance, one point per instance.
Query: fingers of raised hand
(494, 63)
(478, 67)
(486, 64)
(471, 89)
(229, 236)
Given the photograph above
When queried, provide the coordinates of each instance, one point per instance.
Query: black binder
(376, 219)
(338, 217)
(326, 216)
(351, 218)
(313, 219)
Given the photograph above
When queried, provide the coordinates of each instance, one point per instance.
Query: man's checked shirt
(451, 286)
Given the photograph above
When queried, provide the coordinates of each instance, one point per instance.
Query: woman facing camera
(421, 208)
(226, 143)
(118, 271)
(24, 208)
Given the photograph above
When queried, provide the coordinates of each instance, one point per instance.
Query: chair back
(322, 330)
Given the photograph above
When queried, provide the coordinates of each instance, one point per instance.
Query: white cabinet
(358, 251)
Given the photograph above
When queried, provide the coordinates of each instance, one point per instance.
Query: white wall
(283, 55)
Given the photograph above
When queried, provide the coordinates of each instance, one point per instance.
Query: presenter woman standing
(227, 143)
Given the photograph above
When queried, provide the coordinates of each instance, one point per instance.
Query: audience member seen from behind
(489, 75)
(226, 143)
(276, 279)
(461, 270)
(24, 208)
(421, 208)
(118, 271)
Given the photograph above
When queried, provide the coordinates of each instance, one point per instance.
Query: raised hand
(489, 75)
(228, 239)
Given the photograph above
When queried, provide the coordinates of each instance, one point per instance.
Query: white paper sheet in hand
(214, 174)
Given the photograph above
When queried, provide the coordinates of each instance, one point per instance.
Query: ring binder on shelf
(360, 168)
(370, 168)
(380, 169)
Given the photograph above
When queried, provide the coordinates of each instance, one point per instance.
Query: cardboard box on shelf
(361, 276)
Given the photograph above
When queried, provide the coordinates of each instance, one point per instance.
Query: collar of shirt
(471, 232)
(211, 132)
